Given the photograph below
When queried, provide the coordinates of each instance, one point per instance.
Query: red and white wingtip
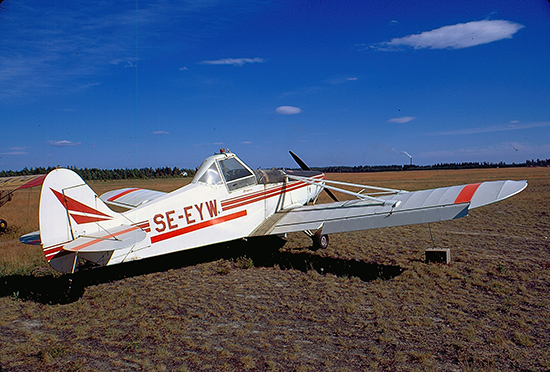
(480, 194)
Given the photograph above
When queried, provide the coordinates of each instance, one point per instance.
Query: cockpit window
(233, 170)
(211, 176)
(236, 175)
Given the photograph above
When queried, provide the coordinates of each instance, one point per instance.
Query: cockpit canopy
(227, 168)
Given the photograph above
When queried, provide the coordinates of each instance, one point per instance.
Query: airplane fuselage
(225, 201)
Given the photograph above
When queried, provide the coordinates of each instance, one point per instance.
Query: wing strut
(376, 201)
(305, 167)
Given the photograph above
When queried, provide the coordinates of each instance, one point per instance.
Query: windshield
(236, 174)
(208, 173)
(216, 169)
(233, 170)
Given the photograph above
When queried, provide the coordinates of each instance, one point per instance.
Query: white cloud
(341, 80)
(402, 120)
(183, 68)
(63, 143)
(126, 63)
(233, 61)
(502, 151)
(13, 153)
(18, 148)
(246, 143)
(160, 132)
(462, 35)
(491, 129)
(288, 110)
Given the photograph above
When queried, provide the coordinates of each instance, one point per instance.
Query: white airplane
(226, 201)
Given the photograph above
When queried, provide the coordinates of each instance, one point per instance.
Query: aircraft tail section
(69, 209)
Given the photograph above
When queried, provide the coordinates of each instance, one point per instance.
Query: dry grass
(237, 309)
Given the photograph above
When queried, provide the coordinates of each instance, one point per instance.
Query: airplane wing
(398, 209)
(8, 185)
(21, 182)
(130, 197)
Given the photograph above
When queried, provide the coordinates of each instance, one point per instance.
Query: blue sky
(166, 83)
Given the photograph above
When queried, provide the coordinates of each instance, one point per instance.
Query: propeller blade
(332, 196)
(299, 161)
(304, 166)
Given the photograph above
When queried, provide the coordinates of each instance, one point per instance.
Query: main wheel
(319, 241)
(3, 225)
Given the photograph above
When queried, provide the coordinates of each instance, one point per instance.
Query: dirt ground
(367, 302)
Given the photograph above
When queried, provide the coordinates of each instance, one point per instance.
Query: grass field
(367, 302)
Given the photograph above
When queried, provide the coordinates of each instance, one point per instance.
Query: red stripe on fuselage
(259, 196)
(144, 225)
(467, 193)
(197, 226)
(265, 194)
(276, 189)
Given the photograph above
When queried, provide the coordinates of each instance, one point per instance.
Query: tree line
(407, 167)
(96, 174)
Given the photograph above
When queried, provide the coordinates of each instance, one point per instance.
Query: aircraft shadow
(263, 252)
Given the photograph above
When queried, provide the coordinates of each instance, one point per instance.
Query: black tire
(319, 241)
(3, 225)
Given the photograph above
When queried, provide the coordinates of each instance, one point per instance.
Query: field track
(367, 302)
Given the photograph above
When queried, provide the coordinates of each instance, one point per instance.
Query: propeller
(304, 166)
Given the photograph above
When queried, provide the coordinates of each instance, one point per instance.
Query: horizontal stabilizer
(130, 197)
(31, 238)
(115, 238)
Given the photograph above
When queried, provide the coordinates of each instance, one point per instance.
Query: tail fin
(69, 208)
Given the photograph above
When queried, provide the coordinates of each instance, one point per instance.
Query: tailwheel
(319, 240)
(3, 225)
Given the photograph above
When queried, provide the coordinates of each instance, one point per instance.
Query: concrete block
(438, 255)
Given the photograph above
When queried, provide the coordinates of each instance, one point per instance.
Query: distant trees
(538, 163)
(26, 171)
(97, 174)
(465, 165)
